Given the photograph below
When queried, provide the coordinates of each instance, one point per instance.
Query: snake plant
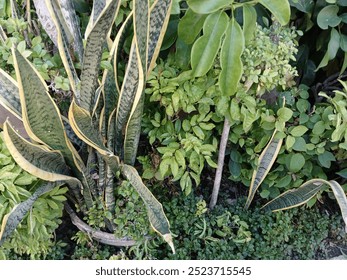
(103, 124)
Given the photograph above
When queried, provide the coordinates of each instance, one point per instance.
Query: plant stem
(100, 236)
(221, 156)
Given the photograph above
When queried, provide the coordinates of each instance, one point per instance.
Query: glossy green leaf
(249, 22)
(230, 59)
(326, 158)
(279, 8)
(342, 173)
(190, 26)
(327, 17)
(266, 160)
(208, 6)
(155, 210)
(18, 212)
(333, 47)
(205, 49)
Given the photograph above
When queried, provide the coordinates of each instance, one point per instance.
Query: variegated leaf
(98, 7)
(9, 94)
(63, 43)
(155, 210)
(296, 197)
(305, 192)
(159, 19)
(141, 29)
(266, 160)
(93, 52)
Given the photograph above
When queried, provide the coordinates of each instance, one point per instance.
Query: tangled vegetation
(146, 123)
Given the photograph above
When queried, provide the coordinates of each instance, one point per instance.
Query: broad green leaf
(159, 19)
(13, 219)
(300, 144)
(190, 26)
(342, 173)
(183, 54)
(296, 197)
(92, 54)
(333, 47)
(230, 59)
(297, 162)
(266, 160)
(298, 131)
(284, 114)
(155, 210)
(205, 49)
(326, 158)
(279, 8)
(208, 6)
(305, 6)
(327, 17)
(249, 22)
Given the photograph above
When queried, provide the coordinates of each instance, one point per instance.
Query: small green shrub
(230, 232)
(34, 237)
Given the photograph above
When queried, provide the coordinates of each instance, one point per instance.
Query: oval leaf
(231, 63)
(205, 49)
(279, 8)
(208, 6)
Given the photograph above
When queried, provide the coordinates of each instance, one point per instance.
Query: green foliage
(182, 129)
(34, 237)
(230, 232)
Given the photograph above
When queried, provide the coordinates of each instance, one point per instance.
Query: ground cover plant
(184, 122)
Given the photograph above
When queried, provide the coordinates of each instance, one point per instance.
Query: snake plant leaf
(230, 59)
(341, 198)
(9, 94)
(36, 159)
(118, 46)
(205, 49)
(81, 122)
(18, 212)
(92, 54)
(296, 197)
(155, 211)
(305, 192)
(64, 45)
(70, 16)
(16, 122)
(98, 7)
(131, 87)
(40, 161)
(132, 134)
(141, 29)
(41, 116)
(159, 19)
(279, 8)
(266, 160)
